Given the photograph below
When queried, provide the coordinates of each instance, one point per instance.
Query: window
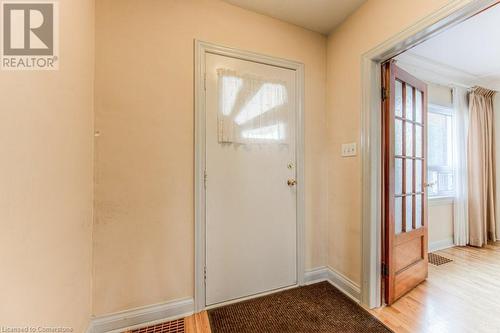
(440, 173)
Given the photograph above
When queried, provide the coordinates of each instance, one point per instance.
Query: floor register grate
(174, 326)
(437, 260)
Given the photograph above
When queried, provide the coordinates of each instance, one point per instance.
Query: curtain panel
(481, 167)
(460, 135)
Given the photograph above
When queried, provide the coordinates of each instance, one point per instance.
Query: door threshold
(246, 298)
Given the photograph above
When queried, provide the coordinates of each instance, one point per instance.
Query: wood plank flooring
(198, 323)
(458, 297)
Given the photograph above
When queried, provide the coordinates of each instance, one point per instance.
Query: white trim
(453, 13)
(344, 284)
(141, 317)
(436, 72)
(441, 244)
(432, 71)
(201, 49)
(246, 298)
(336, 279)
(90, 327)
(436, 108)
(440, 201)
(316, 275)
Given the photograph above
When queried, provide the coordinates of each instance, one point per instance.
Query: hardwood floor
(459, 297)
(198, 323)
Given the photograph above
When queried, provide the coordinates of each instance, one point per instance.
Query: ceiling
(317, 15)
(469, 52)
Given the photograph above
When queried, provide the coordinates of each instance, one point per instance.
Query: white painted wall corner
(441, 244)
(336, 279)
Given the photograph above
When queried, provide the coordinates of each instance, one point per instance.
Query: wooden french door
(404, 108)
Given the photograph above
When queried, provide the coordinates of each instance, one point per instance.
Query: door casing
(371, 128)
(201, 49)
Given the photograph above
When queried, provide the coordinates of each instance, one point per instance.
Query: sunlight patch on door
(274, 132)
(252, 109)
(268, 97)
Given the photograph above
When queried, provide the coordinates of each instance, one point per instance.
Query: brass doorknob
(291, 182)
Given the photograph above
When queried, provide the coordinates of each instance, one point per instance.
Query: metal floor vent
(437, 260)
(174, 326)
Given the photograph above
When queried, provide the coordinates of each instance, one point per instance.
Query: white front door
(251, 199)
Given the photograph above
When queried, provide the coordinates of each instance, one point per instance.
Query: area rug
(318, 307)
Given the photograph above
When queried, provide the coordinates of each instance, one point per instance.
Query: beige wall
(440, 221)
(373, 23)
(46, 133)
(440, 95)
(144, 225)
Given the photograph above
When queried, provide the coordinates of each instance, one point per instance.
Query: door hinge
(205, 177)
(205, 81)
(205, 273)
(385, 270)
(384, 93)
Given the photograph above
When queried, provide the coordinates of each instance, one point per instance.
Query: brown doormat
(438, 260)
(315, 308)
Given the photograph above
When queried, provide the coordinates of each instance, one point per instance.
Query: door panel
(404, 156)
(407, 253)
(251, 225)
(409, 278)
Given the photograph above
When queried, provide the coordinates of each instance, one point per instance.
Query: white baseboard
(140, 317)
(315, 275)
(344, 284)
(338, 280)
(89, 327)
(441, 244)
(153, 314)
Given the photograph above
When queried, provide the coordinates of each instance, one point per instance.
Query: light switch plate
(349, 149)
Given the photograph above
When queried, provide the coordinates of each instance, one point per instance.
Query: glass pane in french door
(420, 164)
(409, 213)
(398, 215)
(418, 211)
(398, 110)
(409, 162)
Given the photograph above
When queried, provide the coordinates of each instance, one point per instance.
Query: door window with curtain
(252, 109)
(440, 169)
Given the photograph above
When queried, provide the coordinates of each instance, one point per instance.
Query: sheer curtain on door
(252, 109)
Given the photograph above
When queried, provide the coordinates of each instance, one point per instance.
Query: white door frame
(455, 12)
(201, 50)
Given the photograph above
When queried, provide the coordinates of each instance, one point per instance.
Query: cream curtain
(481, 167)
(252, 109)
